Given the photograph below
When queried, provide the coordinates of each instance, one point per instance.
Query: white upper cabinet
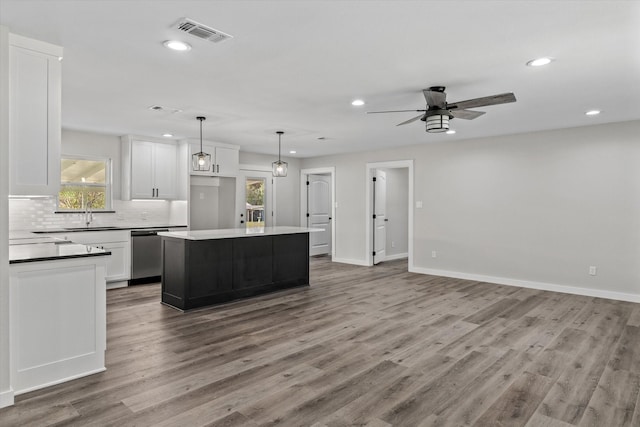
(166, 171)
(225, 159)
(34, 116)
(149, 169)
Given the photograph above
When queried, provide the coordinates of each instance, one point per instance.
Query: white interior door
(319, 213)
(254, 196)
(379, 216)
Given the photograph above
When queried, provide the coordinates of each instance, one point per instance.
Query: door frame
(304, 174)
(244, 172)
(395, 164)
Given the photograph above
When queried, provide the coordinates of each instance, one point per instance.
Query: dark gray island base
(201, 272)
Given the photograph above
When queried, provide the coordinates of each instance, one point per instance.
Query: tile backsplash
(38, 214)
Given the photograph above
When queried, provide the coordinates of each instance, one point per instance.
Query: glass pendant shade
(279, 167)
(201, 161)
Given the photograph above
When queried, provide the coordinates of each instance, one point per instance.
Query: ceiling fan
(439, 112)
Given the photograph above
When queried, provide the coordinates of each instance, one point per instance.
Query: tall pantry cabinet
(34, 116)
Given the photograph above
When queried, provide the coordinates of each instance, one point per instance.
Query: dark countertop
(22, 252)
(103, 228)
(31, 246)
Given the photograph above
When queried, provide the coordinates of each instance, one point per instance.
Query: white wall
(287, 188)
(397, 212)
(530, 209)
(6, 395)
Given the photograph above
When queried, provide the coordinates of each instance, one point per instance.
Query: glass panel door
(255, 189)
(254, 196)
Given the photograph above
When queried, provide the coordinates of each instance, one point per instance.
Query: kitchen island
(206, 267)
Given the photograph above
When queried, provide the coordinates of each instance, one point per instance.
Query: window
(84, 183)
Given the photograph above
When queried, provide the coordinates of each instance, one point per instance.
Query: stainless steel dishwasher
(146, 256)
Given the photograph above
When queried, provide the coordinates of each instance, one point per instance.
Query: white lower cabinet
(118, 266)
(118, 242)
(57, 320)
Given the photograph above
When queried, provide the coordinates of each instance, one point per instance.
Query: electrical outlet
(593, 270)
(393, 244)
(434, 254)
(419, 204)
(201, 196)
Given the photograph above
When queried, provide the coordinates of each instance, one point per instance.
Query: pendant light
(279, 167)
(201, 161)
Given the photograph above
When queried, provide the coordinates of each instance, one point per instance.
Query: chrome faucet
(88, 214)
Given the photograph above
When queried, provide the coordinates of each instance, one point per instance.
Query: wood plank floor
(361, 346)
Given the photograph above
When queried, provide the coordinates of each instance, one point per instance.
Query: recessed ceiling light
(539, 62)
(292, 152)
(450, 132)
(177, 45)
(357, 102)
(592, 112)
(167, 135)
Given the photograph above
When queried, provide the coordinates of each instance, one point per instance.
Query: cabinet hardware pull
(218, 168)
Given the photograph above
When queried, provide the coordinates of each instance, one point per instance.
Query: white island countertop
(232, 233)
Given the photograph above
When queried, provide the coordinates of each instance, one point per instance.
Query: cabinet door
(118, 265)
(252, 262)
(165, 171)
(142, 185)
(34, 122)
(227, 161)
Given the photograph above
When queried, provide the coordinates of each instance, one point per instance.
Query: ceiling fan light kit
(439, 111)
(437, 121)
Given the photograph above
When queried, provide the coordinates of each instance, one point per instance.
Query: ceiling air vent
(162, 109)
(194, 28)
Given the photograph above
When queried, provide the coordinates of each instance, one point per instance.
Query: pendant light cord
(201, 120)
(279, 144)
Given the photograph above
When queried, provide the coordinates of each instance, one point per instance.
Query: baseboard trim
(61, 380)
(350, 261)
(6, 398)
(396, 256)
(619, 296)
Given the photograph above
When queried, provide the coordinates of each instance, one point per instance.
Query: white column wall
(6, 394)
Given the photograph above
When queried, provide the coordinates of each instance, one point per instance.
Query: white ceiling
(297, 65)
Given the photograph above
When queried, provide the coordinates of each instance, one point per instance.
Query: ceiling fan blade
(466, 114)
(502, 98)
(435, 98)
(393, 111)
(410, 120)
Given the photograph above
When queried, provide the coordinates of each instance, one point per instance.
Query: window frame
(108, 185)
